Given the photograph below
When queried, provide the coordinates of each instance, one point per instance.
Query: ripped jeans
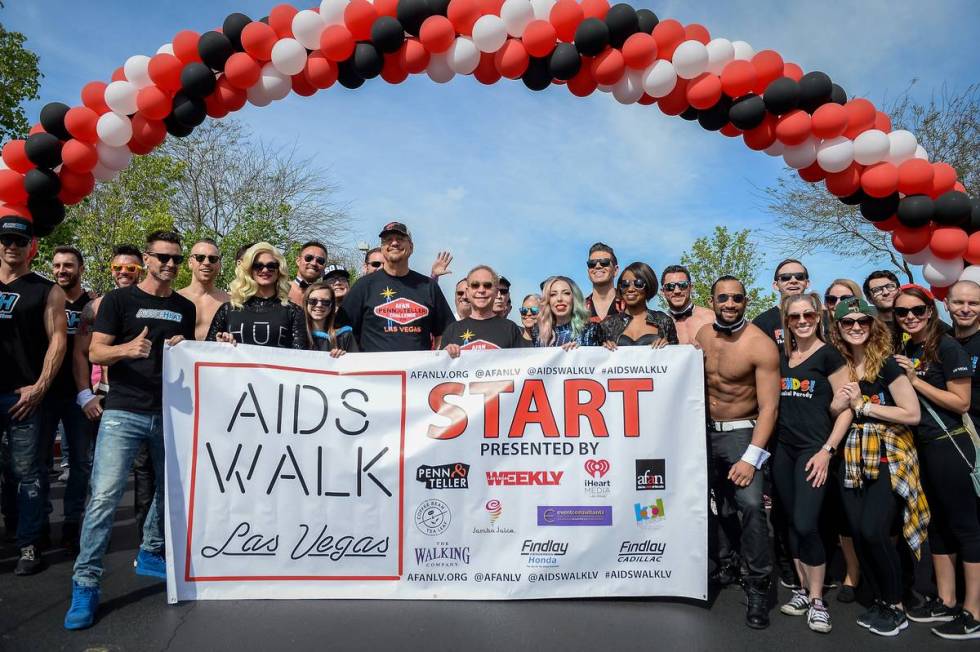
(21, 446)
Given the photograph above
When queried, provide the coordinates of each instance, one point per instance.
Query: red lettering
(574, 410)
(456, 415)
(631, 388)
(491, 391)
(533, 391)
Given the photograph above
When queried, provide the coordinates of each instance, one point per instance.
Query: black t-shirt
(64, 382)
(482, 334)
(262, 322)
(343, 338)
(953, 363)
(771, 323)
(804, 398)
(395, 313)
(877, 392)
(137, 384)
(23, 338)
(972, 347)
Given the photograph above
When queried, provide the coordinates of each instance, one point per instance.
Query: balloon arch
(726, 86)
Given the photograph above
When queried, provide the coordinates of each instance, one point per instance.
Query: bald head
(968, 288)
(963, 303)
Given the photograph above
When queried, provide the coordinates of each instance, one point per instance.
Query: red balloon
(883, 122)
(704, 91)
(413, 56)
(69, 199)
(512, 59)
(359, 15)
(793, 128)
(738, 78)
(154, 103)
(486, 72)
(387, 8)
(730, 130)
(949, 242)
(768, 67)
(793, 71)
(437, 34)
(258, 40)
(675, 102)
(81, 121)
(813, 173)
(302, 86)
(860, 117)
(647, 100)
(943, 180)
(15, 156)
(491, 7)
(583, 83)
(77, 183)
(845, 182)
(213, 106)
(18, 210)
(915, 177)
(910, 241)
(12, 185)
(639, 51)
(608, 67)
(565, 16)
(119, 74)
(185, 46)
(462, 14)
(761, 137)
(93, 96)
(164, 70)
(78, 156)
(880, 180)
(829, 121)
(596, 9)
(230, 97)
(972, 253)
(337, 43)
(242, 70)
(321, 71)
(939, 293)
(392, 71)
(281, 20)
(697, 32)
(889, 224)
(149, 133)
(539, 38)
(36, 129)
(668, 34)
(959, 187)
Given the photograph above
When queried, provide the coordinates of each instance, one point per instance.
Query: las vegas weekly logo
(651, 475)
(595, 485)
(524, 478)
(444, 476)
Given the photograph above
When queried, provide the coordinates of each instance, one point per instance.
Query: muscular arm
(81, 370)
(767, 390)
(103, 351)
(56, 327)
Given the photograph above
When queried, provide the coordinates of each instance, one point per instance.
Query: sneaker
(846, 594)
(798, 604)
(818, 618)
(866, 619)
(830, 585)
(963, 627)
(890, 621)
(151, 565)
(84, 602)
(29, 562)
(788, 579)
(932, 610)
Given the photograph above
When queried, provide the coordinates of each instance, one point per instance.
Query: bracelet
(866, 409)
(84, 397)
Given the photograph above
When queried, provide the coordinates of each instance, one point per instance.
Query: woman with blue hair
(564, 319)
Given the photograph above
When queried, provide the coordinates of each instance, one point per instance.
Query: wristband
(84, 397)
(755, 456)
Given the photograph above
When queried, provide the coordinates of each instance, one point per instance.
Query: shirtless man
(675, 284)
(310, 262)
(741, 366)
(205, 265)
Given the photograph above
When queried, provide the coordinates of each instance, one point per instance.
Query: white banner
(529, 473)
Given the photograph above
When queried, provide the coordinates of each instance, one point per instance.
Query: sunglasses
(166, 258)
(208, 257)
(832, 300)
(734, 298)
(808, 316)
(375, 264)
(503, 290)
(598, 262)
(486, 285)
(849, 322)
(883, 289)
(679, 285)
(637, 283)
(918, 311)
(129, 269)
(794, 276)
(13, 241)
(326, 303)
(320, 260)
(271, 266)
(533, 310)
(460, 294)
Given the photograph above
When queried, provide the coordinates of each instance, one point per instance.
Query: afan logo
(649, 515)
(442, 555)
(400, 311)
(444, 476)
(595, 487)
(479, 345)
(797, 387)
(543, 554)
(432, 518)
(651, 474)
(524, 478)
(7, 302)
(494, 509)
(641, 552)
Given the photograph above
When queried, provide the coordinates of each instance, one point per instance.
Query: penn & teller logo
(444, 476)
(651, 474)
(432, 517)
(401, 311)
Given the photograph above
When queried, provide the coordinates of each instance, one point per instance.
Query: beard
(725, 322)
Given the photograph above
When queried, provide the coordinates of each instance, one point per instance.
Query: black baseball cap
(395, 227)
(502, 280)
(16, 226)
(335, 270)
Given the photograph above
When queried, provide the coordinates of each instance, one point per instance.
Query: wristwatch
(830, 449)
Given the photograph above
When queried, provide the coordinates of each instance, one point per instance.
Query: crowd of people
(852, 411)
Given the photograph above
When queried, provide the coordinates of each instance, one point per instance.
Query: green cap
(852, 305)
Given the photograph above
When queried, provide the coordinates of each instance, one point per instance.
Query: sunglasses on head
(128, 268)
(166, 258)
(849, 322)
(793, 276)
(918, 311)
(271, 266)
(375, 264)
(808, 316)
(8, 240)
(734, 298)
(320, 260)
(532, 310)
(598, 262)
(679, 285)
(486, 285)
(832, 300)
(326, 303)
(208, 257)
(637, 283)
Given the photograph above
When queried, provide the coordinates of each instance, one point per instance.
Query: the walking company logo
(543, 554)
(432, 517)
(494, 509)
(594, 485)
(444, 476)
(401, 311)
(649, 516)
(651, 474)
(574, 515)
(524, 478)
(442, 555)
(641, 552)
(7, 302)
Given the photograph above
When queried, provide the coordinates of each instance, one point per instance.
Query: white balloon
(836, 154)
(920, 257)
(136, 70)
(690, 59)
(463, 56)
(802, 155)
(166, 48)
(120, 96)
(776, 149)
(542, 8)
(629, 89)
(720, 52)
(274, 83)
(489, 33)
(920, 152)
(307, 27)
(102, 173)
(660, 78)
(439, 70)
(743, 51)
(114, 129)
(942, 273)
(971, 273)
(289, 56)
(871, 147)
(606, 88)
(901, 146)
(516, 14)
(258, 96)
(113, 158)
(332, 11)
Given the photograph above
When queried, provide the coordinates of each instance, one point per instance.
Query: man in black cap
(338, 278)
(33, 337)
(395, 308)
(501, 304)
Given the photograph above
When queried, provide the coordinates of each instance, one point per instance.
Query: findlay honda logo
(648, 516)
(594, 485)
(524, 478)
(442, 555)
(543, 554)
(494, 509)
(444, 476)
(432, 517)
(651, 474)
(641, 552)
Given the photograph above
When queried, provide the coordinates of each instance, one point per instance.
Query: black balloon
(47, 213)
(215, 48)
(715, 117)
(974, 215)
(189, 111)
(591, 37)
(647, 20)
(915, 210)
(564, 61)
(197, 80)
(876, 210)
(368, 61)
(953, 208)
(854, 199)
(43, 150)
(387, 34)
(411, 14)
(747, 112)
(537, 77)
(40, 182)
(175, 128)
(53, 119)
(438, 7)
(348, 76)
(232, 28)
(782, 96)
(838, 95)
(622, 22)
(815, 90)
(690, 114)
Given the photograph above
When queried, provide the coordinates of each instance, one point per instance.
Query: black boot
(757, 609)
(726, 575)
(70, 533)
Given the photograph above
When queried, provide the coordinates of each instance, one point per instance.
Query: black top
(591, 335)
(805, 395)
(771, 323)
(262, 322)
(343, 338)
(972, 347)
(877, 392)
(64, 382)
(481, 334)
(23, 339)
(613, 327)
(618, 306)
(137, 384)
(953, 363)
(395, 313)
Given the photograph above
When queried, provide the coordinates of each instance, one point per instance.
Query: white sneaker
(818, 618)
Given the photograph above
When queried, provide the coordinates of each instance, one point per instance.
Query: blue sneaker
(151, 565)
(84, 602)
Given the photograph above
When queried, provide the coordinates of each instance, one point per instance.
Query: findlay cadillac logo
(442, 555)
(493, 509)
(432, 517)
(595, 486)
(641, 552)
(651, 474)
(543, 554)
(444, 476)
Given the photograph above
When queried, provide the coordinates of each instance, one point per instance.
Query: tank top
(64, 382)
(23, 339)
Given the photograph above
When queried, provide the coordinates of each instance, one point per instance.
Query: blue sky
(527, 181)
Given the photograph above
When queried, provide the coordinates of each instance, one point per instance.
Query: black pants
(144, 483)
(802, 503)
(871, 511)
(955, 527)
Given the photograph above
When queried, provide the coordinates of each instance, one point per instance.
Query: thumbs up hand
(140, 346)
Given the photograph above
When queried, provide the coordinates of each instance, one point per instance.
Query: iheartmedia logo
(594, 485)
(524, 478)
(444, 476)
(651, 474)
(597, 468)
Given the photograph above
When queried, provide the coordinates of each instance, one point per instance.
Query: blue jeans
(118, 441)
(78, 431)
(21, 459)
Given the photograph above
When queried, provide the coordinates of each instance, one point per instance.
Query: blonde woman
(259, 311)
(564, 319)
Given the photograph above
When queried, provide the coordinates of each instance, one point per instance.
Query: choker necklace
(684, 313)
(729, 329)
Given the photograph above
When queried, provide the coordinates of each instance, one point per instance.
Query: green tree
(19, 81)
(727, 252)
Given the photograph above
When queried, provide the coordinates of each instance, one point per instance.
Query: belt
(728, 426)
